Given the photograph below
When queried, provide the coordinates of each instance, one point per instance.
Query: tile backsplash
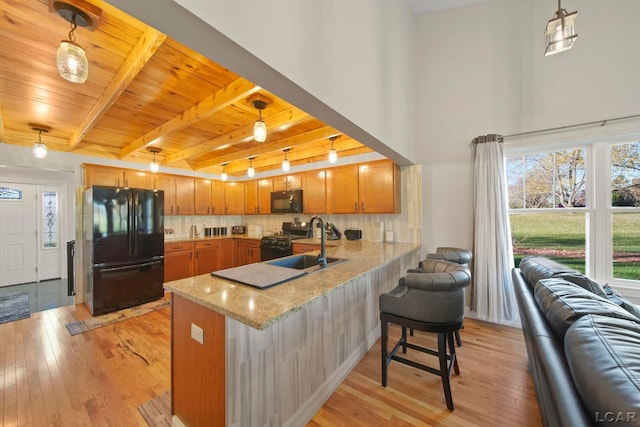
(405, 227)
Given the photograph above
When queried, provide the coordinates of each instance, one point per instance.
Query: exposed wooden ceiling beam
(144, 49)
(290, 116)
(234, 92)
(303, 138)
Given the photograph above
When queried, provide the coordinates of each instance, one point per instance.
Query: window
(579, 205)
(10, 193)
(50, 219)
(625, 210)
(547, 199)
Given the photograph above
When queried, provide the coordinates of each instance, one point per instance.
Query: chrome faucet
(322, 258)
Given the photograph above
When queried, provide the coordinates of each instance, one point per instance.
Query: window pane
(547, 180)
(626, 245)
(625, 174)
(560, 236)
(50, 217)
(10, 194)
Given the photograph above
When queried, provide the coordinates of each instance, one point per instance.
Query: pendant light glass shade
(251, 172)
(260, 131)
(154, 166)
(223, 175)
(286, 165)
(39, 150)
(333, 155)
(560, 31)
(72, 62)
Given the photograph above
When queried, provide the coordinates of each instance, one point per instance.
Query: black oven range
(280, 245)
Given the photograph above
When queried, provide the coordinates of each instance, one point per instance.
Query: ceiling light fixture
(333, 154)
(154, 166)
(223, 175)
(285, 163)
(260, 127)
(71, 59)
(560, 32)
(39, 148)
(251, 172)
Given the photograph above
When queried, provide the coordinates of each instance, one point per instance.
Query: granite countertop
(260, 308)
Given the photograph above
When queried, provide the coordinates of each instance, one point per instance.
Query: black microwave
(289, 201)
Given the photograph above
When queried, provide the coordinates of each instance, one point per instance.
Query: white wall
(348, 63)
(481, 69)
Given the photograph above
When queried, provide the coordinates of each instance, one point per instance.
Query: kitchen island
(243, 356)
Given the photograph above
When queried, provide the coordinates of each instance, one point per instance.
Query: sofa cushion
(563, 302)
(534, 268)
(584, 282)
(608, 379)
(616, 298)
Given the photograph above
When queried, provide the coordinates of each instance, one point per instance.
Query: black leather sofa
(583, 345)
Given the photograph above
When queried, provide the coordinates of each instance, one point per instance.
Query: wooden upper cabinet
(138, 179)
(116, 177)
(287, 182)
(344, 189)
(167, 183)
(372, 187)
(185, 190)
(258, 196)
(314, 195)
(379, 187)
(217, 198)
(202, 197)
(234, 198)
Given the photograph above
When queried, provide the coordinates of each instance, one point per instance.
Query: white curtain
(493, 294)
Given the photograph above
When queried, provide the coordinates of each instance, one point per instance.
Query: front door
(18, 233)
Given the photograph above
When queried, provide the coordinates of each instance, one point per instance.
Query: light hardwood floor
(98, 378)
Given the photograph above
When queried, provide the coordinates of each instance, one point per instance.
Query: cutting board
(259, 275)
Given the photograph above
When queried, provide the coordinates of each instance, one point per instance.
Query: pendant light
(285, 163)
(333, 154)
(71, 59)
(560, 32)
(223, 175)
(260, 128)
(154, 166)
(251, 172)
(39, 148)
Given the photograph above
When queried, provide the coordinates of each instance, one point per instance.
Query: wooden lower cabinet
(227, 258)
(178, 261)
(198, 369)
(207, 257)
(250, 251)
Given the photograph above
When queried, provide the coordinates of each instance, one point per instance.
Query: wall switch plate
(197, 333)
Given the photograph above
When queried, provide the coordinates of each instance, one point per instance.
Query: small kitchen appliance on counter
(353, 234)
(239, 229)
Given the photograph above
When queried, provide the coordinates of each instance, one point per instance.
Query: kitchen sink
(302, 262)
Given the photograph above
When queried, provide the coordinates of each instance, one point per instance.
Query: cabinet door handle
(355, 206)
(178, 210)
(362, 206)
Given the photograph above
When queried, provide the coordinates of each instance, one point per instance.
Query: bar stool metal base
(447, 361)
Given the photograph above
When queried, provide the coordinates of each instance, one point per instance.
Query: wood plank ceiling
(144, 90)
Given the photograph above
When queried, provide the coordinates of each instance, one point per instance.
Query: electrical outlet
(197, 333)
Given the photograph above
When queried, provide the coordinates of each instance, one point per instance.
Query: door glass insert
(10, 193)
(50, 218)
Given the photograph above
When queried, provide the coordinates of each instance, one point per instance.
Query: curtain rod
(601, 122)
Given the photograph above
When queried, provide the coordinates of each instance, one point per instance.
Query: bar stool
(429, 302)
(452, 254)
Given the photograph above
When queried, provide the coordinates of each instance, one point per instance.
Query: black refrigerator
(124, 235)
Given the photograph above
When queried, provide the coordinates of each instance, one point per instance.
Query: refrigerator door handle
(129, 267)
